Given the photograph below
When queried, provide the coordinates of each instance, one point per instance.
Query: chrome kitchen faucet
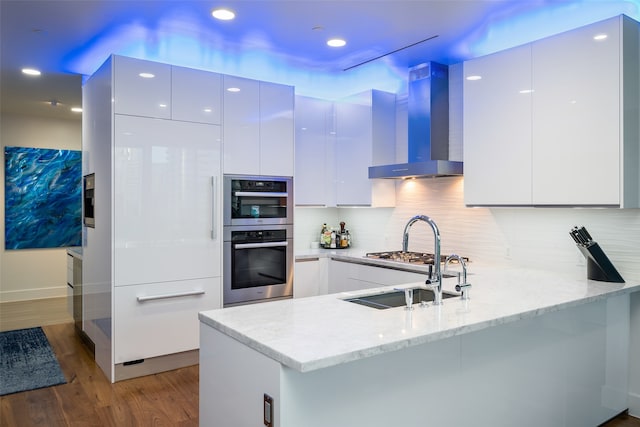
(436, 275)
(464, 286)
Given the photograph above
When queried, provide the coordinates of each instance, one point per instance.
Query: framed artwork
(43, 198)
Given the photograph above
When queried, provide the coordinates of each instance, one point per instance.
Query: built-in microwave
(257, 200)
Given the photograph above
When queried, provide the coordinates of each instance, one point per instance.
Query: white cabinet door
(314, 154)
(142, 88)
(577, 117)
(161, 318)
(582, 120)
(167, 201)
(353, 154)
(276, 129)
(241, 120)
(196, 96)
(310, 277)
(365, 127)
(497, 128)
(341, 277)
(348, 276)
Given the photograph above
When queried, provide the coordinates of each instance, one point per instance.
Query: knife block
(599, 267)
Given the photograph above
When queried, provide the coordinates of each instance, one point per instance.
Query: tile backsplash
(530, 237)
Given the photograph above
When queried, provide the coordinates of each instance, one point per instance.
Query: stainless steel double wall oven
(258, 239)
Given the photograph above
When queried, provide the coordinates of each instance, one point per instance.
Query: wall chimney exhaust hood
(428, 105)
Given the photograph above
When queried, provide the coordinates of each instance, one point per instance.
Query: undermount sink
(396, 298)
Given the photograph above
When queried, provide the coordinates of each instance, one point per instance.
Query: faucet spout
(435, 279)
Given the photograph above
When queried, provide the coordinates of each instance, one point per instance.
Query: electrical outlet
(268, 410)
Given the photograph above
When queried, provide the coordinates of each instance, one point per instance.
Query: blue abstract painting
(43, 198)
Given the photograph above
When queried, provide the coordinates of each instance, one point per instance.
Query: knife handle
(586, 233)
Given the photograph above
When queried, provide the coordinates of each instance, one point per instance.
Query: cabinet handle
(214, 228)
(308, 259)
(165, 296)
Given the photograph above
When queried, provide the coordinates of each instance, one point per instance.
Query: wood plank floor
(89, 399)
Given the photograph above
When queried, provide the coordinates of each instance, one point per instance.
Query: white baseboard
(634, 405)
(31, 294)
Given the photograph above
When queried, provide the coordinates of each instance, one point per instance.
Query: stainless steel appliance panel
(257, 200)
(258, 263)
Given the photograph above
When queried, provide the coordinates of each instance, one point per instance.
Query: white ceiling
(276, 40)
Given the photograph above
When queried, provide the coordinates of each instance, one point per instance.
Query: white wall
(34, 273)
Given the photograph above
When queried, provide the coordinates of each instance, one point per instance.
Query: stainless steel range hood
(428, 104)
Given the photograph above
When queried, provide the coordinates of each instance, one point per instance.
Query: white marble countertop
(312, 333)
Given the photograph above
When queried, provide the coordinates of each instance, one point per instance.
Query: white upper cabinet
(497, 128)
(577, 116)
(142, 88)
(276, 129)
(258, 127)
(581, 121)
(365, 128)
(241, 125)
(315, 159)
(196, 96)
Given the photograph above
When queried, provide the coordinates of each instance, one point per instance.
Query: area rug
(27, 361)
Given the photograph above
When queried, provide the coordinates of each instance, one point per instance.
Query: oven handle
(258, 194)
(260, 245)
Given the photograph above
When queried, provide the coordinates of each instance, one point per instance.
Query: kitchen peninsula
(529, 348)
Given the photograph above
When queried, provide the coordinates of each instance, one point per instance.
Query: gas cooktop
(409, 257)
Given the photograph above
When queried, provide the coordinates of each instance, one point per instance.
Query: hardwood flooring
(89, 399)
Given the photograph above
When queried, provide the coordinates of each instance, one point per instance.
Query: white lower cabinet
(311, 277)
(161, 318)
(348, 276)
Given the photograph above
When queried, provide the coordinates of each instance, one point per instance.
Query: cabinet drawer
(161, 318)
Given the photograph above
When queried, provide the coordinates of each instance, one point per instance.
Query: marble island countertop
(312, 333)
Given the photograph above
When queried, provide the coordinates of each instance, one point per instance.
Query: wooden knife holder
(599, 267)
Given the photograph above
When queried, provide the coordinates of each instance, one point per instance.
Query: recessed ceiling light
(336, 42)
(473, 78)
(76, 109)
(31, 71)
(223, 14)
(600, 37)
(233, 89)
(147, 75)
